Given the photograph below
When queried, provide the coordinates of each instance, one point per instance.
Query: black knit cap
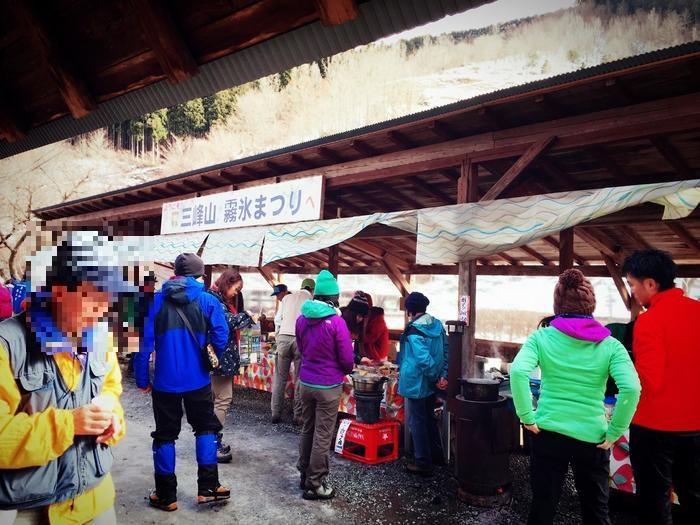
(416, 302)
(189, 265)
(359, 304)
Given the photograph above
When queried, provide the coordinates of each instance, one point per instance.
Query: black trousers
(661, 460)
(552, 453)
(199, 409)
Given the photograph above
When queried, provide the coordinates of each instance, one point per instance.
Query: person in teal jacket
(576, 354)
(423, 371)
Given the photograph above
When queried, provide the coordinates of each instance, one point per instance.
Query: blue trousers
(427, 447)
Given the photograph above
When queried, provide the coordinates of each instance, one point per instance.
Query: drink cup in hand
(106, 403)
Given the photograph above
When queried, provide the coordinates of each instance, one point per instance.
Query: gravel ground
(264, 480)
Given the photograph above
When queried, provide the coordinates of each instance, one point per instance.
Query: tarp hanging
(289, 240)
(238, 247)
(461, 232)
(164, 248)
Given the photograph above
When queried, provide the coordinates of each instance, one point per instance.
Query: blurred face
(234, 289)
(76, 311)
(643, 289)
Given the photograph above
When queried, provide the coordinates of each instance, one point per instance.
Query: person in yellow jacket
(60, 385)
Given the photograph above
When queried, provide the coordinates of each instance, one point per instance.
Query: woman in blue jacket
(423, 358)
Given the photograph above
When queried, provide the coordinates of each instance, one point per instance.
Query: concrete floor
(264, 481)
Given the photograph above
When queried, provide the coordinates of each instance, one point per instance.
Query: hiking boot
(168, 505)
(321, 493)
(419, 471)
(302, 482)
(211, 495)
(223, 457)
(220, 445)
(275, 419)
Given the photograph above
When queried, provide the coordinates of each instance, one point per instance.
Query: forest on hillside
(196, 118)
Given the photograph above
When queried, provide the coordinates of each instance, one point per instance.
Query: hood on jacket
(376, 311)
(313, 309)
(182, 290)
(582, 328)
(428, 325)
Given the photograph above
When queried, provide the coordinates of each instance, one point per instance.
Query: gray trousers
(319, 412)
(287, 352)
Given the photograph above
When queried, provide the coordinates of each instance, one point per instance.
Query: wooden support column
(566, 249)
(467, 191)
(208, 271)
(267, 275)
(333, 260)
(630, 302)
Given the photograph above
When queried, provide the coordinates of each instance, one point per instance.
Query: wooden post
(333, 260)
(566, 249)
(208, 270)
(466, 289)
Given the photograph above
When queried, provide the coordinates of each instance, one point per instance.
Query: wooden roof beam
(164, 38)
(228, 176)
(210, 180)
(684, 235)
(12, 125)
(555, 244)
(334, 12)
(639, 241)
(672, 156)
(277, 169)
(534, 151)
(251, 173)
(433, 190)
(401, 140)
(490, 120)
(396, 277)
(608, 164)
(330, 155)
(375, 251)
(363, 148)
(449, 174)
(398, 194)
(616, 275)
(302, 162)
(74, 91)
(536, 255)
(510, 260)
(602, 244)
(442, 130)
(619, 90)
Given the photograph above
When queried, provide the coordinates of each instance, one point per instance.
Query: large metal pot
(368, 383)
(479, 389)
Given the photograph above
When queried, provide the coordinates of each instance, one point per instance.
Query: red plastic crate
(372, 443)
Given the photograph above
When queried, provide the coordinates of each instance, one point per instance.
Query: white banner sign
(291, 201)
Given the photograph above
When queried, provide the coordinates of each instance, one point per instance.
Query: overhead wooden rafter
(684, 235)
(672, 156)
(334, 12)
(534, 151)
(11, 126)
(73, 89)
(603, 245)
(163, 36)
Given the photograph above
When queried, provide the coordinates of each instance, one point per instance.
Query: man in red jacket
(665, 431)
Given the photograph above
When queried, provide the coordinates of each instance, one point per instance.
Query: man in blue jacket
(182, 377)
(423, 357)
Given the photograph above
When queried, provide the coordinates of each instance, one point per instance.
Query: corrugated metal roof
(688, 49)
(378, 19)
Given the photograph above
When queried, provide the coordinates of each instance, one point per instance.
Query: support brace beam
(516, 169)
